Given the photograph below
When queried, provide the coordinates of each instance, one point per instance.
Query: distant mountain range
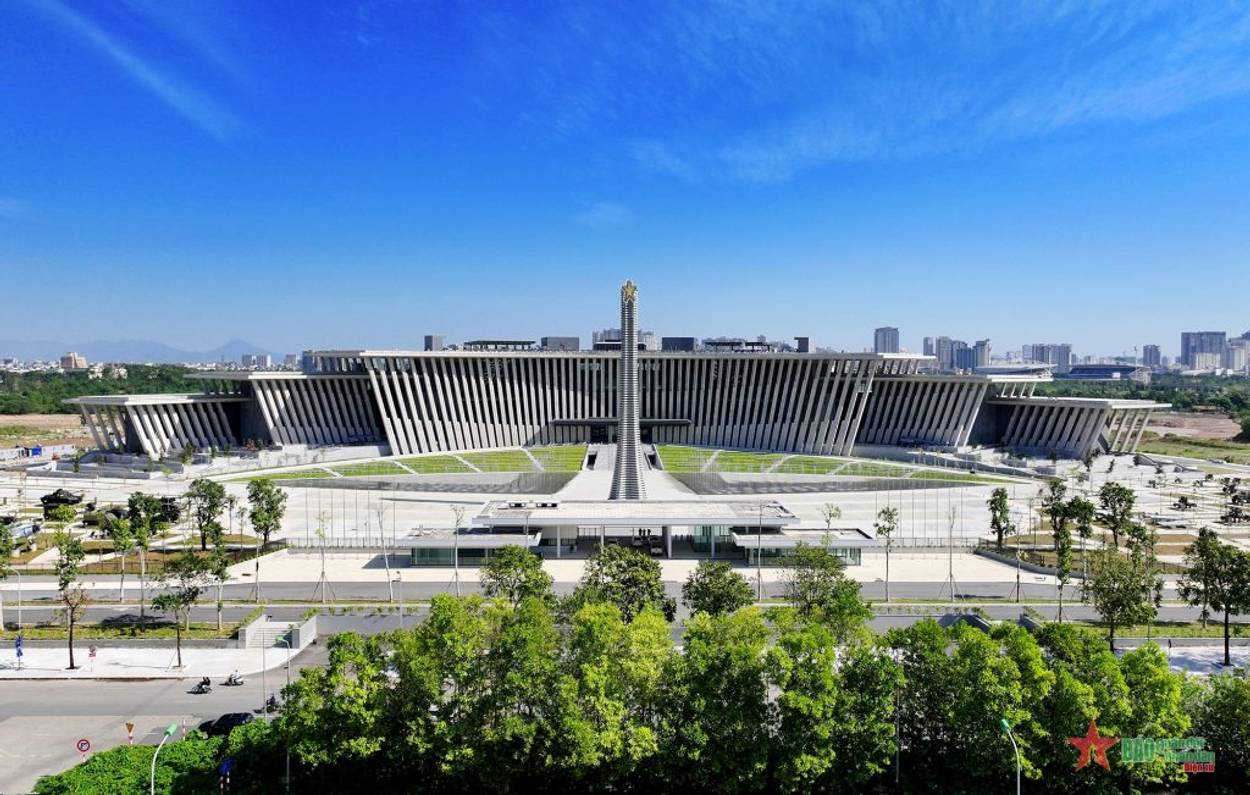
(132, 351)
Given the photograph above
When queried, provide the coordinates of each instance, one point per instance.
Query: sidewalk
(114, 662)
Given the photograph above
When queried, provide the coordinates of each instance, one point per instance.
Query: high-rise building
(885, 340)
(1151, 357)
(802, 344)
(1059, 354)
(1197, 342)
(290, 360)
(73, 361)
(627, 483)
(1235, 356)
(263, 360)
(944, 350)
(685, 344)
(647, 341)
(248, 360)
(982, 349)
(435, 342)
(928, 347)
(561, 343)
(965, 358)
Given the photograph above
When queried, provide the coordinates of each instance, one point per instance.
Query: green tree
(1000, 515)
(123, 541)
(62, 514)
(1055, 506)
(6, 562)
(614, 677)
(885, 526)
(144, 512)
(1245, 426)
(73, 597)
(219, 561)
(716, 715)
(1062, 531)
(1157, 709)
(816, 585)
(184, 579)
(1082, 512)
(830, 513)
(183, 766)
(626, 578)
(1119, 588)
(1117, 502)
(714, 587)
(1217, 576)
(1218, 710)
(267, 508)
(514, 573)
(834, 712)
(207, 499)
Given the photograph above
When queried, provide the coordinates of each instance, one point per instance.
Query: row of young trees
(521, 691)
(182, 578)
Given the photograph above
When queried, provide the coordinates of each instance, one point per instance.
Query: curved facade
(816, 403)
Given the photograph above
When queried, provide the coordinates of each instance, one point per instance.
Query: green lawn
(501, 461)
(299, 474)
(683, 459)
(810, 465)
(1185, 447)
(434, 464)
(736, 461)
(369, 469)
(560, 458)
(955, 476)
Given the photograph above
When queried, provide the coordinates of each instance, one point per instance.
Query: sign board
(91, 652)
(84, 745)
(17, 644)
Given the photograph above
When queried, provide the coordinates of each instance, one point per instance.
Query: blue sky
(358, 174)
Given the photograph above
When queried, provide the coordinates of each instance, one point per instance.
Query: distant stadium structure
(412, 402)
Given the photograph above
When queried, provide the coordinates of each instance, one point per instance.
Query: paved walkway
(115, 662)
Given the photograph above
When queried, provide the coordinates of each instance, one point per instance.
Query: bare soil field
(31, 429)
(1194, 425)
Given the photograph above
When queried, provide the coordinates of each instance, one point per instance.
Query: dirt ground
(1194, 425)
(30, 429)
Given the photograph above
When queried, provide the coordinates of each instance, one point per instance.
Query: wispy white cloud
(194, 106)
(605, 215)
(189, 23)
(764, 89)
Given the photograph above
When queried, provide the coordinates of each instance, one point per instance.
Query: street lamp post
(399, 578)
(759, 555)
(286, 639)
(169, 732)
(1006, 727)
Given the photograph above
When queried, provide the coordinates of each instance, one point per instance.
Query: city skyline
(374, 171)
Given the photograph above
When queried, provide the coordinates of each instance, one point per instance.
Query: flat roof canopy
(789, 539)
(633, 513)
(153, 400)
(446, 539)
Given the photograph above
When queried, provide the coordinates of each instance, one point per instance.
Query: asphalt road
(42, 720)
(43, 588)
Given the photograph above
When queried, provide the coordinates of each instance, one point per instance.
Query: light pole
(399, 578)
(1006, 727)
(759, 555)
(169, 732)
(286, 639)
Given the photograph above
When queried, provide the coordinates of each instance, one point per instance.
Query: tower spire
(627, 483)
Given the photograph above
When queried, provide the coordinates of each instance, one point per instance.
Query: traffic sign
(91, 652)
(130, 733)
(17, 644)
(84, 745)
